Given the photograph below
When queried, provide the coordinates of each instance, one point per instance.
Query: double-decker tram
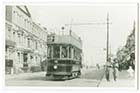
(64, 56)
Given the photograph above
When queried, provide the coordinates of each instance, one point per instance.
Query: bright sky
(122, 16)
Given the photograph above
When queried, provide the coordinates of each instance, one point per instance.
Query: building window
(25, 23)
(31, 57)
(9, 32)
(19, 38)
(21, 34)
(18, 57)
(25, 65)
(24, 40)
(9, 29)
(21, 41)
(28, 42)
(18, 35)
(25, 57)
(35, 45)
(36, 59)
(53, 38)
(15, 17)
(8, 11)
(14, 36)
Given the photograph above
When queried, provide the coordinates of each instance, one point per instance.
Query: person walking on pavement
(107, 71)
(115, 70)
(130, 71)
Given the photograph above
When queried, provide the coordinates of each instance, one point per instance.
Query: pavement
(123, 80)
(25, 76)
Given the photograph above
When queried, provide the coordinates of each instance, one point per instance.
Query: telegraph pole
(107, 34)
(107, 41)
(107, 69)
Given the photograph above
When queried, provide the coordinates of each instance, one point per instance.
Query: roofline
(27, 11)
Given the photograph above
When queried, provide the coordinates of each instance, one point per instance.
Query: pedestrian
(98, 67)
(107, 71)
(115, 71)
(115, 67)
(130, 71)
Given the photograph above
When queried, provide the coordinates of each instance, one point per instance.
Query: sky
(121, 16)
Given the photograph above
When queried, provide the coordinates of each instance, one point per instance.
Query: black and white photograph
(71, 45)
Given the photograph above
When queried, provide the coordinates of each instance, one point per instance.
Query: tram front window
(56, 51)
(64, 52)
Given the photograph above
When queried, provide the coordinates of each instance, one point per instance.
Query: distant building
(26, 41)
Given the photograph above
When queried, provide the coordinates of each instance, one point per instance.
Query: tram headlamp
(55, 66)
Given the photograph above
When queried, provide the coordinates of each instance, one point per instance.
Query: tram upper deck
(65, 39)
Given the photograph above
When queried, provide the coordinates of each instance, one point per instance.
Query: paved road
(89, 78)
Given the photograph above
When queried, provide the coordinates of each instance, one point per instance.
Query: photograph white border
(2, 45)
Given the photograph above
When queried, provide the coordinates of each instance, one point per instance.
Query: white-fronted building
(26, 41)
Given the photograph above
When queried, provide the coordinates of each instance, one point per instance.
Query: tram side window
(75, 54)
(56, 52)
(49, 52)
(64, 52)
(78, 55)
(70, 52)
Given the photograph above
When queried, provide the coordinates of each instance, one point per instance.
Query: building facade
(26, 41)
(126, 55)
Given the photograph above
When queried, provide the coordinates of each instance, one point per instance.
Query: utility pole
(107, 41)
(107, 34)
(107, 69)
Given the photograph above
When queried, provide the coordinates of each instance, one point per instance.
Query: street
(89, 78)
